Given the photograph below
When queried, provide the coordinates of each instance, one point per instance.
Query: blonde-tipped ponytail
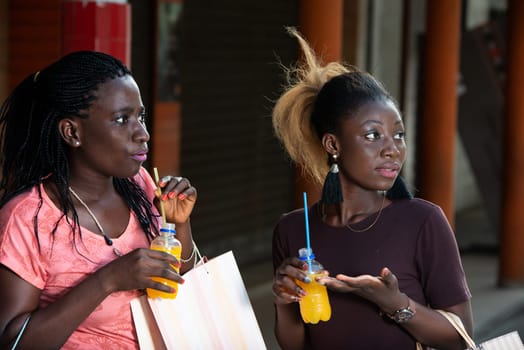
(293, 110)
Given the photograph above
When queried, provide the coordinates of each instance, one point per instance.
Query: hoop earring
(332, 190)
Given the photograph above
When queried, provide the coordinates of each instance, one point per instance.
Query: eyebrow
(373, 121)
(128, 109)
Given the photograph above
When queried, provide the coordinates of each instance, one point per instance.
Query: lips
(389, 170)
(140, 156)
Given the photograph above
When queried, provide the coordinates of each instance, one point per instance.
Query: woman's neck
(353, 209)
(92, 186)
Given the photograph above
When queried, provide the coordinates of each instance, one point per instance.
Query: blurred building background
(209, 72)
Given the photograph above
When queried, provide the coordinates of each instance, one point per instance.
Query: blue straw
(308, 244)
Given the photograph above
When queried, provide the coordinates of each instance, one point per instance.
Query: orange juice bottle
(314, 306)
(166, 242)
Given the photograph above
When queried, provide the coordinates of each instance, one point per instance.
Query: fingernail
(307, 279)
(164, 197)
(171, 194)
(181, 196)
(182, 281)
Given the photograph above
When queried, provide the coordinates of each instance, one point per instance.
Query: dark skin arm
(50, 327)
(427, 326)
(179, 197)
(289, 328)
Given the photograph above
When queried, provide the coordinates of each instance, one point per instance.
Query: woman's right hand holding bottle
(135, 269)
(285, 289)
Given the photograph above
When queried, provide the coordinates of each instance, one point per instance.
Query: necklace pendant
(107, 239)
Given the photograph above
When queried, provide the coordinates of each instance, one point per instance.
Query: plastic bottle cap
(306, 254)
(168, 227)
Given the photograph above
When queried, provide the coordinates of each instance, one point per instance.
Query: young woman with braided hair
(394, 258)
(78, 210)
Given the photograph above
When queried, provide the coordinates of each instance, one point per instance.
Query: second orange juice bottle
(314, 306)
(166, 242)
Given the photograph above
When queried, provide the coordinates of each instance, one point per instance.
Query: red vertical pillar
(511, 268)
(321, 25)
(99, 25)
(34, 37)
(439, 109)
(167, 115)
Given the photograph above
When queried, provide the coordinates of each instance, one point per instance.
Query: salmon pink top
(62, 263)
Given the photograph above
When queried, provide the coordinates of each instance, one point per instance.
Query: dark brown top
(412, 238)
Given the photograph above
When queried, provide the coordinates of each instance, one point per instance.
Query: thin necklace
(100, 228)
(374, 221)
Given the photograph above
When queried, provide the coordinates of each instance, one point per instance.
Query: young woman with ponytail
(392, 259)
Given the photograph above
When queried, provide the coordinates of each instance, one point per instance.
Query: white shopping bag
(509, 341)
(212, 311)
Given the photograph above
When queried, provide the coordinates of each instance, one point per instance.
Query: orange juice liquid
(153, 293)
(314, 306)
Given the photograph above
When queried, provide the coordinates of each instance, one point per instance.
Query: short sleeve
(443, 278)
(284, 236)
(279, 251)
(19, 248)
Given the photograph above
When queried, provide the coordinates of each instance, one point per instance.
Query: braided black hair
(32, 148)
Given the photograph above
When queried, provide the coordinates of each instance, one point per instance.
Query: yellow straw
(158, 193)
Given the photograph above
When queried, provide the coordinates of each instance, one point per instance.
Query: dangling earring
(332, 190)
